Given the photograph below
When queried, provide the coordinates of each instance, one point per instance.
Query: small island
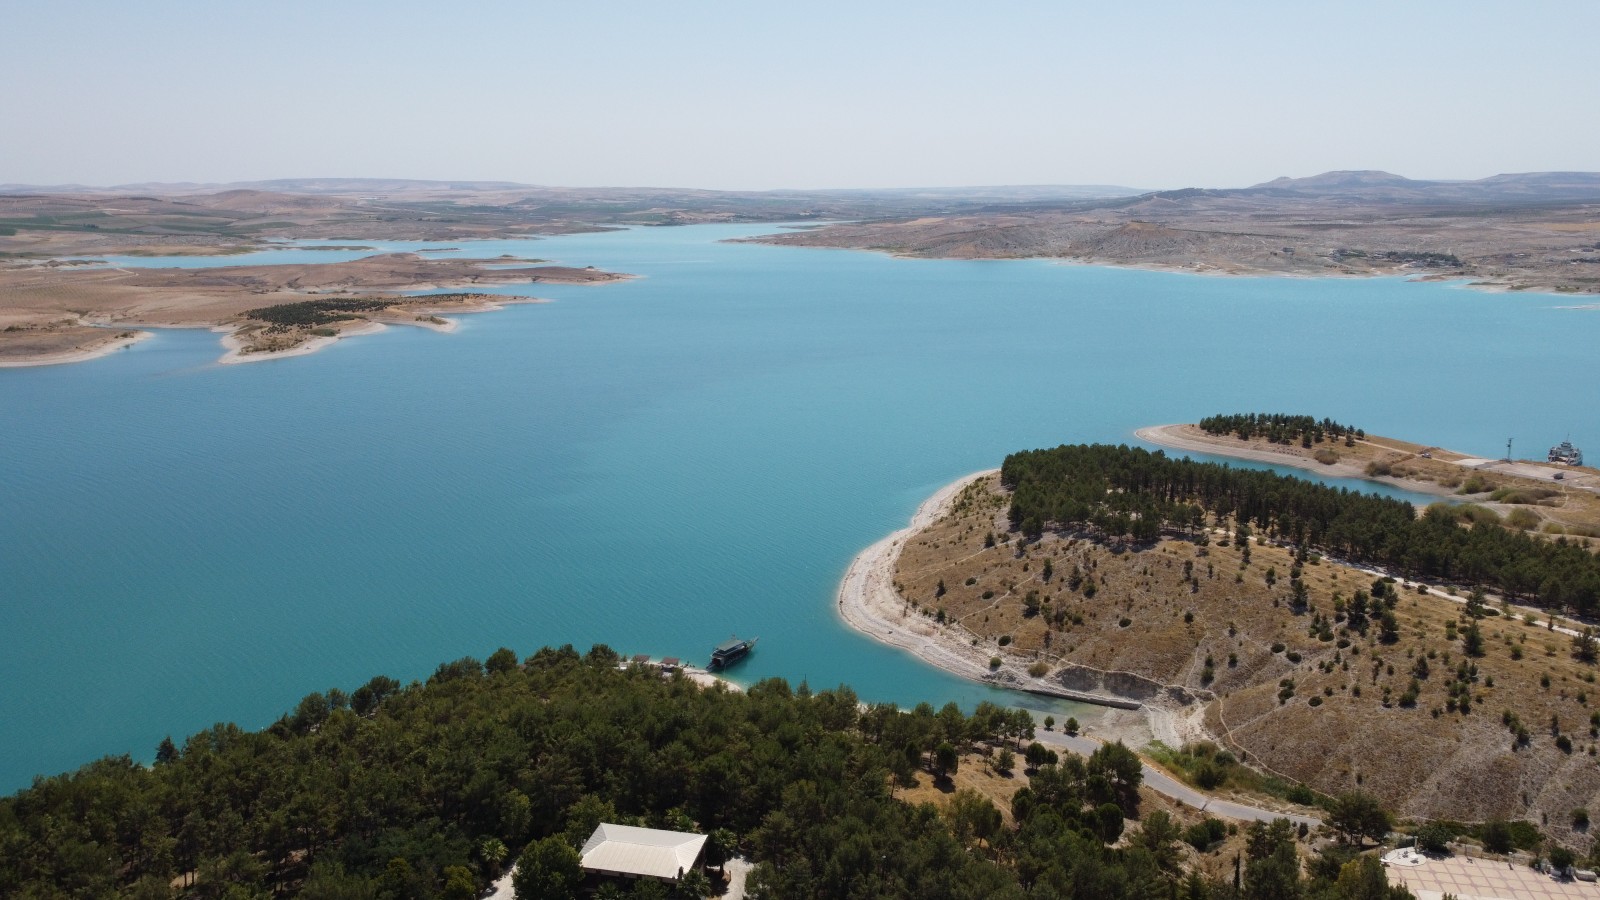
(1279, 637)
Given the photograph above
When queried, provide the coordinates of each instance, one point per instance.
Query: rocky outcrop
(1125, 685)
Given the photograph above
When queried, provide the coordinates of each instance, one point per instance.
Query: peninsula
(54, 314)
(1328, 639)
(1530, 231)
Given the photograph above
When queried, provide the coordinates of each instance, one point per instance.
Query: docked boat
(731, 651)
(1566, 454)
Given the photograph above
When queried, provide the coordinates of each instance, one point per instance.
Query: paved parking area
(1487, 879)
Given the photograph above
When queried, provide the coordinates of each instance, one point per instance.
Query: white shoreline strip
(869, 603)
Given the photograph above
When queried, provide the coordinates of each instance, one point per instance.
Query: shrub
(1208, 775)
(1561, 858)
(1522, 519)
(1496, 836)
(1205, 833)
(1434, 837)
(1039, 670)
(994, 662)
(1005, 640)
(1124, 622)
(1325, 456)
(1277, 648)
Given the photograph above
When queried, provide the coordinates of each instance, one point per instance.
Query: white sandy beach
(869, 603)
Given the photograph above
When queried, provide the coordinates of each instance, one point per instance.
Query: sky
(755, 96)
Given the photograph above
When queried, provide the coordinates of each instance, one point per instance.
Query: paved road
(1167, 786)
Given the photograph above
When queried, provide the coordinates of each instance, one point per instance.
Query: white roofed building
(630, 852)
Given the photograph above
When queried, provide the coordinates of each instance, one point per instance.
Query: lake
(652, 465)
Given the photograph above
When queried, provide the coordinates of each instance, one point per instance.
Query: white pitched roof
(627, 850)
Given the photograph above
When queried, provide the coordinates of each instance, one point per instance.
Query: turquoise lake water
(652, 465)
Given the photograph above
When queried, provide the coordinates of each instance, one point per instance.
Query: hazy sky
(810, 94)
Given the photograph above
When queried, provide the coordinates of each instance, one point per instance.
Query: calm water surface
(652, 465)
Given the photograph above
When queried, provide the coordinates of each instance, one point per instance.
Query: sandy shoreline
(869, 603)
(380, 322)
(1185, 437)
(75, 356)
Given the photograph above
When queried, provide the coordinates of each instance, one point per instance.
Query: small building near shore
(625, 851)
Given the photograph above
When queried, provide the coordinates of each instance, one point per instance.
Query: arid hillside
(1515, 232)
(1308, 689)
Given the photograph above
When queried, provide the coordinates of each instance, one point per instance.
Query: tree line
(311, 313)
(1280, 428)
(430, 790)
(1123, 490)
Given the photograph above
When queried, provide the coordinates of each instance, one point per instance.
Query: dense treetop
(430, 790)
(318, 312)
(1131, 491)
(1279, 428)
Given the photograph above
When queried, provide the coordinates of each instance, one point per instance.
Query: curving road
(1167, 786)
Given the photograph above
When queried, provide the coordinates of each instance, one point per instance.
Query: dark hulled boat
(731, 651)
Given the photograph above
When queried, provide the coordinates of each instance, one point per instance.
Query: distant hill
(1367, 186)
(347, 186)
(1386, 187)
(275, 185)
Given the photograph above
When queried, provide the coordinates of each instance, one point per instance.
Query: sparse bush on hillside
(1522, 519)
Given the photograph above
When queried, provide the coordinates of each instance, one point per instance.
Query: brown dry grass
(1423, 761)
(975, 773)
(56, 337)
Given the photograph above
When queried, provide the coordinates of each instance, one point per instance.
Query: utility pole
(1508, 449)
